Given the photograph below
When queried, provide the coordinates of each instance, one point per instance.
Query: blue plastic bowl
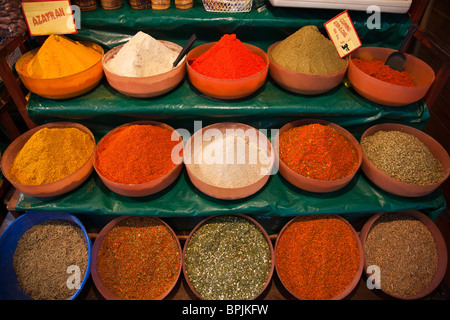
(9, 287)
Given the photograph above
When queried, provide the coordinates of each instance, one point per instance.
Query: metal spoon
(396, 60)
(185, 49)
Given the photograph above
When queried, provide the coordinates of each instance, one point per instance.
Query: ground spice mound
(139, 259)
(379, 70)
(228, 258)
(43, 254)
(404, 250)
(135, 154)
(308, 51)
(317, 257)
(51, 154)
(318, 152)
(228, 59)
(403, 157)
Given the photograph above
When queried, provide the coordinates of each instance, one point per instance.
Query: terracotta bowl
(303, 83)
(309, 184)
(9, 289)
(384, 93)
(440, 247)
(226, 89)
(141, 189)
(357, 276)
(50, 189)
(63, 87)
(394, 186)
(225, 193)
(145, 87)
(101, 287)
(254, 222)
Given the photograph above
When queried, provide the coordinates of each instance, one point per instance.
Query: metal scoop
(396, 60)
(185, 49)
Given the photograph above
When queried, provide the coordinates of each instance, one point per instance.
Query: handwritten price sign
(341, 31)
(47, 17)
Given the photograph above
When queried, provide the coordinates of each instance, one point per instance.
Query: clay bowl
(145, 87)
(309, 184)
(9, 289)
(50, 189)
(384, 93)
(63, 87)
(355, 280)
(141, 189)
(254, 222)
(303, 83)
(440, 247)
(210, 132)
(394, 186)
(101, 287)
(226, 89)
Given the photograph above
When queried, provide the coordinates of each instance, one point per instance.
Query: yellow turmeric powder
(51, 154)
(60, 57)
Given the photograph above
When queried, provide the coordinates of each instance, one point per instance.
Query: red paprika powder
(317, 257)
(139, 259)
(228, 59)
(318, 152)
(380, 71)
(135, 154)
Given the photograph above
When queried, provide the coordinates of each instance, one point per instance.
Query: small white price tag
(342, 33)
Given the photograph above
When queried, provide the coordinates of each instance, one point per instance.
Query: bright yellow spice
(51, 154)
(60, 57)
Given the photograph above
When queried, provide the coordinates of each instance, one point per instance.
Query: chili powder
(318, 151)
(135, 154)
(139, 259)
(381, 71)
(228, 59)
(317, 257)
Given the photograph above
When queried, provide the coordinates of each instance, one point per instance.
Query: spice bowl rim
(311, 184)
(54, 188)
(98, 282)
(250, 220)
(225, 193)
(381, 81)
(30, 54)
(146, 188)
(227, 82)
(382, 92)
(439, 241)
(358, 274)
(37, 217)
(148, 86)
(392, 185)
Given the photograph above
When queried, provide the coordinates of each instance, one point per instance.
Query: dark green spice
(404, 250)
(228, 258)
(403, 157)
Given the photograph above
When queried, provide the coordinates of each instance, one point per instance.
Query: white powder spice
(230, 161)
(142, 56)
